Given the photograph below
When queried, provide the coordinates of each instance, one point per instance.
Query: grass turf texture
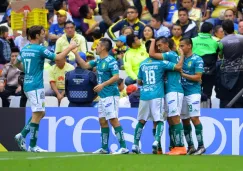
(19, 161)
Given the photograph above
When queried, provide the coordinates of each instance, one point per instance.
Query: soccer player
(173, 94)
(150, 78)
(31, 61)
(107, 89)
(191, 80)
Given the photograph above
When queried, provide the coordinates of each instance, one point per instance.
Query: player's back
(173, 78)
(32, 58)
(151, 73)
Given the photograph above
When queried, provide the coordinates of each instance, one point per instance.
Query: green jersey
(151, 72)
(173, 78)
(33, 57)
(106, 68)
(191, 66)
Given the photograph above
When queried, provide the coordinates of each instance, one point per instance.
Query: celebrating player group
(169, 90)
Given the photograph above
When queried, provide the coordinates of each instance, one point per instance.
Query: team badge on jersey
(103, 66)
(136, 28)
(189, 64)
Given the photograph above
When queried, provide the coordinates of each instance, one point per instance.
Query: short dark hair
(69, 22)
(216, 29)
(34, 30)
(157, 17)
(183, 9)
(84, 10)
(3, 29)
(120, 81)
(107, 43)
(97, 34)
(188, 41)
(147, 45)
(133, 7)
(206, 27)
(178, 25)
(228, 26)
(130, 39)
(58, 4)
(15, 50)
(166, 40)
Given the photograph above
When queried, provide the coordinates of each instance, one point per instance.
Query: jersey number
(27, 63)
(150, 77)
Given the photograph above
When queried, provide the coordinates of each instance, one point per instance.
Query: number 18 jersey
(151, 72)
(33, 57)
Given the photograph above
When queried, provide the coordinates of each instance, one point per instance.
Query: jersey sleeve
(140, 73)
(165, 56)
(45, 53)
(19, 58)
(93, 63)
(113, 66)
(199, 66)
(168, 65)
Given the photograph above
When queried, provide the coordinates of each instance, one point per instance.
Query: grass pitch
(22, 161)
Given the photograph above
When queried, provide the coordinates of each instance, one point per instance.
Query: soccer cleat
(136, 149)
(160, 151)
(101, 151)
(20, 141)
(36, 149)
(122, 151)
(191, 150)
(155, 147)
(200, 150)
(177, 151)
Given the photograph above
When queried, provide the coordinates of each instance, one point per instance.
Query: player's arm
(197, 77)
(178, 66)
(152, 52)
(64, 53)
(18, 63)
(140, 82)
(80, 61)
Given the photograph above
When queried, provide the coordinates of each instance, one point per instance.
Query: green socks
(105, 137)
(188, 134)
(178, 135)
(159, 145)
(120, 136)
(172, 142)
(199, 134)
(33, 134)
(138, 133)
(26, 129)
(159, 131)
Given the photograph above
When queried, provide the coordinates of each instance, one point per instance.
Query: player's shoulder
(196, 57)
(109, 59)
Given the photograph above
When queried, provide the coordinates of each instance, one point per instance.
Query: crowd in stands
(130, 24)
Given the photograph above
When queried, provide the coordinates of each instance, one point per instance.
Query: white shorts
(36, 99)
(173, 103)
(191, 106)
(108, 107)
(151, 109)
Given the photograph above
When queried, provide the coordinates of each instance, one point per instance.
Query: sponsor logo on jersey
(171, 101)
(196, 102)
(109, 104)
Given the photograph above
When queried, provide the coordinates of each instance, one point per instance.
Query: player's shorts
(191, 106)
(151, 110)
(108, 107)
(173, 103)
(37, 100)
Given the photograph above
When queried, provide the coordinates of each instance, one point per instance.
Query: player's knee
(186, 121)
(142, 121)
(103, 123)
(195, 120)
(114, 122)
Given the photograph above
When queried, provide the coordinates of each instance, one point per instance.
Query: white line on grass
(6, 158)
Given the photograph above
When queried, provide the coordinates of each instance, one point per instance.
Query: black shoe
(191, 150)
(200, 150)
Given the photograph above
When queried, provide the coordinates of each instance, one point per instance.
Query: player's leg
(195, 101)
(111, 112)
(185, 117)
(105, 130)
(174, 104)
(159, 151)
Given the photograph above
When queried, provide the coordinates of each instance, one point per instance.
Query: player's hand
(18, 89)
(180, 51)
(73, 44)
(98, 88)
(152, 40)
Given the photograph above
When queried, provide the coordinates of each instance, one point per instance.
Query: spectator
(127, 30)
(64, 41)
(57, 30)
(96, 38)
(189, 27)
(10, 75)
(218, 33)
(61, 5)
(148, 33)
(229, 14)
(112, 11)
(176, 34)
(79, 85)
(146, 8)
(207, 48)
(134, 95)
(88, 23)
(74, 6)
(57, 78)
(159, 29)
(167, 10)
(23, 98)
(119, 50)
(240, 27)
(121, 87)
(90, 56)
(132, 58)
(5, 51)
(231, 69)
(131, 20)
(240, 10)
